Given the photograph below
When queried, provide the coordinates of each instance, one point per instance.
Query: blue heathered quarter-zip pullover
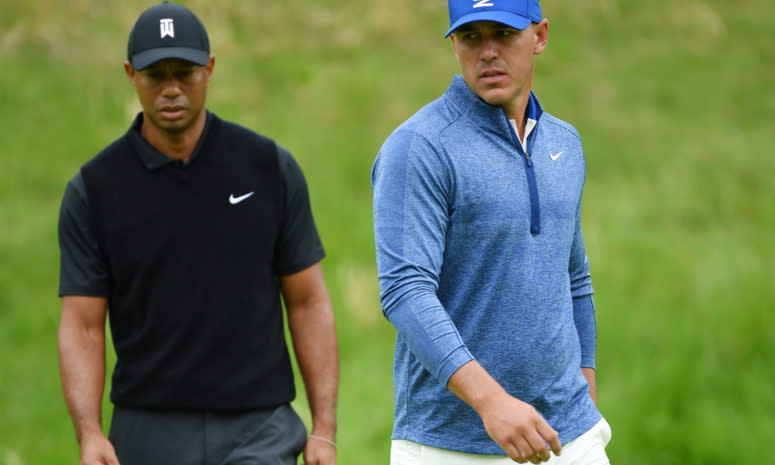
(476, 260)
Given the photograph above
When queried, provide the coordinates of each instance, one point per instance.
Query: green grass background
(674, 101)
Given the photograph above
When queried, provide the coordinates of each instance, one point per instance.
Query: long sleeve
(412, 188)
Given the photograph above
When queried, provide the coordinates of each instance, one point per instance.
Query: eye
(184, 74)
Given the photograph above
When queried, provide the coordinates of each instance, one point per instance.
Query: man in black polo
(187, 230)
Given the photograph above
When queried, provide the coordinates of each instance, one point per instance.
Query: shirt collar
(530, 123)
(531, 119)
(153, 159)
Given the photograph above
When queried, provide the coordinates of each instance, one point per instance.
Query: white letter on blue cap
(481, 3)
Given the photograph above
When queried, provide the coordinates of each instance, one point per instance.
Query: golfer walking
(481, 260)
(187, 231)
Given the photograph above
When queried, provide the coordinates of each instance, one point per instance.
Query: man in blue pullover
(482, 267)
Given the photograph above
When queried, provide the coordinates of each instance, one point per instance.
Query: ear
(541, 31)
(130, 72)
(209, 67)
(454, 46)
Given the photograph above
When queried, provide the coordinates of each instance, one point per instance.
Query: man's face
(497, 60)
(172, 92)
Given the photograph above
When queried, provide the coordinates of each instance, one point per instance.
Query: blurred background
(674, 102)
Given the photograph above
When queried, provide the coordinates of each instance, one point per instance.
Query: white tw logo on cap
(482, 3)
(167, 28)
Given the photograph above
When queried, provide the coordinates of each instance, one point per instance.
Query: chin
(495, 99)
(492, 94)
(173, 126)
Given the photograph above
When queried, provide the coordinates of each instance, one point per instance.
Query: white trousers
(587, 449)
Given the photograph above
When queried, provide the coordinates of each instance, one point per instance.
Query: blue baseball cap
(514, 13)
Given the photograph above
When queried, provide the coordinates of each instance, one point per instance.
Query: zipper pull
(527, 158)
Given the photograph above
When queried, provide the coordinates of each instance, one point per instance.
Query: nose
(171, 87)
(489, 50)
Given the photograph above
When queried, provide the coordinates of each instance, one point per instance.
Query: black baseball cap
(167, 31)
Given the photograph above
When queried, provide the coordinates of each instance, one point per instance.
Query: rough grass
(673, 100)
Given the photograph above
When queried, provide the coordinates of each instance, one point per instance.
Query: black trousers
(258, 437)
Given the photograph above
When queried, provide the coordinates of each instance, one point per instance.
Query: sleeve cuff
(452, 363)
(584, 318)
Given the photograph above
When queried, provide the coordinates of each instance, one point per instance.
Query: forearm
(313, 332)
(430, 333)
(581, 293)
(589, 375)
(82, 368)
(475, 386)
(584, 320)
(81, 344)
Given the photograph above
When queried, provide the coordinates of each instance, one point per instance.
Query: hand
(319, 452)
(514, 425)
(519, 429)
(97, 450)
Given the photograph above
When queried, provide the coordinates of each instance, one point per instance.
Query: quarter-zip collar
(532, 113)
(488, 117)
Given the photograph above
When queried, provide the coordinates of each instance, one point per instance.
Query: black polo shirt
(85, 240)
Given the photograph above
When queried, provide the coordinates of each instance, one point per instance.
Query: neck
(516, 111)
(516, 108)
(178, 145)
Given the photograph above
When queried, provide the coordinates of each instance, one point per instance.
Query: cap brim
(509, 19)
(145, 59)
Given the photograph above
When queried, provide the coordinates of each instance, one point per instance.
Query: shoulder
(115, 149)
(75, 199)
(416, 146)
(285, 159)
(554, 124)
(290, 171)
(422, 133)
(76, 187)
(430, 121)
(233, 133)
(243, 147)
